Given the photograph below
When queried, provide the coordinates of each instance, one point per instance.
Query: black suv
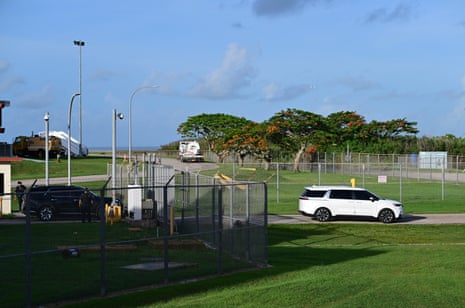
(46, 202)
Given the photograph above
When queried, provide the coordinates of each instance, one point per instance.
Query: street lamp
(113, 155)
(46, 118)
(69, 136)
(80, 44)
(130, 116)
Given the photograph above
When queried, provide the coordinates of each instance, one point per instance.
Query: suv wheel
(322, 214)
(386, 216)
(45, 213)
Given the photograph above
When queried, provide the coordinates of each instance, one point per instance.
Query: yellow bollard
(112, 213)
(353, 182)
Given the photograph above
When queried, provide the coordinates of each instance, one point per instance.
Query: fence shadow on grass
(290, 250)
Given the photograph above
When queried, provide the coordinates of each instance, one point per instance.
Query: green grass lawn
(33, 169)
(340, 265)
(55, 278)
(329, 265)
(332, 265)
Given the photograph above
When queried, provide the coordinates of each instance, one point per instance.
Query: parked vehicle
(48, 202)
(34, 146)
(190, 151)
(325, 202)
(76, 148)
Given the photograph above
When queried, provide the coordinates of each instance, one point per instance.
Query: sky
(383, 59)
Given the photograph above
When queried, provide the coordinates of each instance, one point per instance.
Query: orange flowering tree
(295, 130)
(250, 140)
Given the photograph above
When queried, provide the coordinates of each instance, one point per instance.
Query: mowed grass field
(284, 186)
(335, 265)
(332, 265)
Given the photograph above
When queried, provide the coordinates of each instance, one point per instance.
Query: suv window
(313, 193)
(341, 194)
(364, 195)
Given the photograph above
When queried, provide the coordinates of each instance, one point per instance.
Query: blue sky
(249, 58)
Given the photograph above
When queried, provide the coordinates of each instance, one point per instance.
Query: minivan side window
(313, 193)
(363, 195)
(341, 194)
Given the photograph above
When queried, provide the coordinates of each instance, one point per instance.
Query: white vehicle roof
(318, 187)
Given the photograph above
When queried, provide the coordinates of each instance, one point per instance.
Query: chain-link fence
(420, 166)
(191, 226)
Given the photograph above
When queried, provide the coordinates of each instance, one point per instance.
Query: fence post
(220, 230)
(457, 169)
(184, 194)
(265, 219)
(400, 179)
(213, 214)
(197, 203)
(165, 229)
(277, 182)
(28, 254)
(247, 199)
(165, 233)
(102, 243)
(103, 221)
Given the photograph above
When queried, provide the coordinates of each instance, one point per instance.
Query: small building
(432, 160)
(6, 198)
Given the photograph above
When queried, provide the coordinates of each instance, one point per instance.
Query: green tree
(344, 127)
(295, 130)
(216, 129)
(251, 140)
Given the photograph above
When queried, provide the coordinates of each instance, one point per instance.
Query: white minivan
(325, 202)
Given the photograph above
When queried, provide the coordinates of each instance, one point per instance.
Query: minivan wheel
(386, 216)
(45, 213)
(322, 214)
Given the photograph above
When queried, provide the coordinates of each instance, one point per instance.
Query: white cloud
(274, 92)
(235, 74)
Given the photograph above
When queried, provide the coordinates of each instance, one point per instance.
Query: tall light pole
(69, 136)
(80, 44)
(130, 116)
(46, 118)
(113, 155)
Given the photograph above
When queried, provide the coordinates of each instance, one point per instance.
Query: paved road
(414, 219)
